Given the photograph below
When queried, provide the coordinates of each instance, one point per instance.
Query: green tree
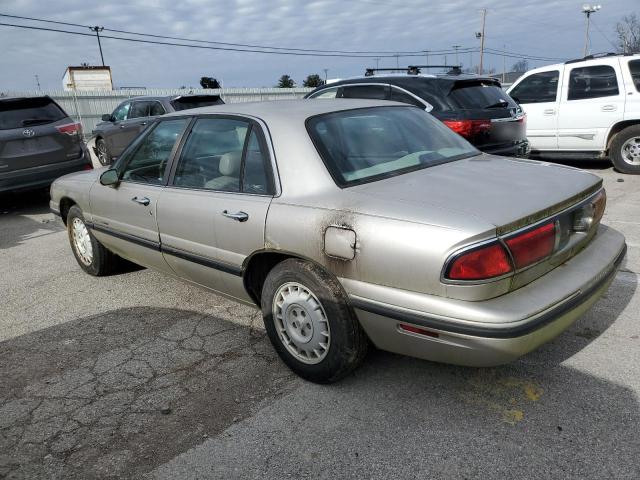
(628, 31)
(313, 80)
(209, 82)
(286, 82)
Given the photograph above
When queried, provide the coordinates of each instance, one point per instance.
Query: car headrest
(230, 164)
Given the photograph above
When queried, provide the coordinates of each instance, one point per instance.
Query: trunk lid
(507, 193)
(29, 137)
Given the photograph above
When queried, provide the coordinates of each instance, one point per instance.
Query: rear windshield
(185, 103)
(480, 95)
(369, 144)
(25, 112)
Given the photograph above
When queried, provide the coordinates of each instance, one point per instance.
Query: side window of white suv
(537, 88)
(634, 69)
(592, 82)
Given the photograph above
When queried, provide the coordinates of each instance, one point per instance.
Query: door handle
(549, 111)
(609, 108)
(141, 200)
(239, 216)
(122, 126)
(143, 123)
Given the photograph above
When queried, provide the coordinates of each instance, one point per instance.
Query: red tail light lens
(532, 246)
(71, 129)
(480, 264)
(468, 128)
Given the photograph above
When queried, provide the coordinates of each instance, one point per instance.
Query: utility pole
(98, 29)
(504, 62)
(588, 10)
(325, 75)
(397, 61)
(456, 47)
(377, 59)
(38, 83)
(480, 35)
(426, 52)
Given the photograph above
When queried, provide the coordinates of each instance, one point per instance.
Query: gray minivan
(39, 142)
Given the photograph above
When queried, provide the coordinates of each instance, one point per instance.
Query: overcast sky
(549, 28)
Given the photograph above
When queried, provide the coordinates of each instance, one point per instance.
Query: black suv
(119, 128)
(476, 107)
(39, 142)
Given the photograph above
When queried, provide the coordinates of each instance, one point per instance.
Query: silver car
(349, 222)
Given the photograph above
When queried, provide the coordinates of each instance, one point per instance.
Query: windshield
(368, 144)
(25, 112)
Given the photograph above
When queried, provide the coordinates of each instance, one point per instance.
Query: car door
(136, 121)
(112, 131)
(592, 101)
(537, 93)
(213, 212)
(123, 216)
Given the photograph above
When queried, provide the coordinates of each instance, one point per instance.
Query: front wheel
(625, 150)
(90, 254)
(102, 152)
(310, 323)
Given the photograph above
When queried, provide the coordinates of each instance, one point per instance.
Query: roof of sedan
(280, 109)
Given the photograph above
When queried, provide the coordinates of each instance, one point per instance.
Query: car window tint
(255, 178)
(25, 112)
(634, 69)
(537, 88)
(139, 109)
(155, 109)
(479, 95)
(212, 155)
(368, 144)
(398, 95)
(121, 113)
(147, 163)
(592, 82)
(326, 93)
(376, 92)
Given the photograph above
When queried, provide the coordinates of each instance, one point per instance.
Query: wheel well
(257, 269)
(618, 127)
(65, 204)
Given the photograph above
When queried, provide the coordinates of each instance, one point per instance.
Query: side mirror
(107, 117)
(110, 177)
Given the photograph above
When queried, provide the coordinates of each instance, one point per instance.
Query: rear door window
(592, 82)
(479, 95)
(156, 109)
(139, 109)
(634, 69)
(537, 88)
(375, 92)
(25, 112)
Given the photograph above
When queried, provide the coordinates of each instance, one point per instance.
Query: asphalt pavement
(141, 375)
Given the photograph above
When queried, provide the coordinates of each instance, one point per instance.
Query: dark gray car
(119, 128)
(39, 142)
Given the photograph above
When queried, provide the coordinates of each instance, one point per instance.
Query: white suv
(584, 108)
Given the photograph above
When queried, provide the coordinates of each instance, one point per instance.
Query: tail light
(469, 128)
(71, 129)
(532, 246)
(481, 263)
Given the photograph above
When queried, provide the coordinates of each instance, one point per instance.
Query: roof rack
(413, 69)
(594, 56)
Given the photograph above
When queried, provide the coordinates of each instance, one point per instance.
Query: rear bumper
(517, 149)
(43, 175)
(528, 317)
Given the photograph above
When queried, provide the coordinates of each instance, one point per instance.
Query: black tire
(347, 345)
(617, 154)
(102, 152)
(103, 262)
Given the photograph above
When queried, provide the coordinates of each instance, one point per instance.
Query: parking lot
(140, 374)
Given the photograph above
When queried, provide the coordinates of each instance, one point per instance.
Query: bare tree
(628, 30)
(520, 66)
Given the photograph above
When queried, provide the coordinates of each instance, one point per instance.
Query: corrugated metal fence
(88, 107)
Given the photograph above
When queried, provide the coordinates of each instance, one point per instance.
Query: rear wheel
(90, 254)
(102, 151)
(310, 323)
(625, 150)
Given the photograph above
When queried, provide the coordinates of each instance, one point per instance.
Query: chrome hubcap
(631, 151)
(82, 241)
(301, 323)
